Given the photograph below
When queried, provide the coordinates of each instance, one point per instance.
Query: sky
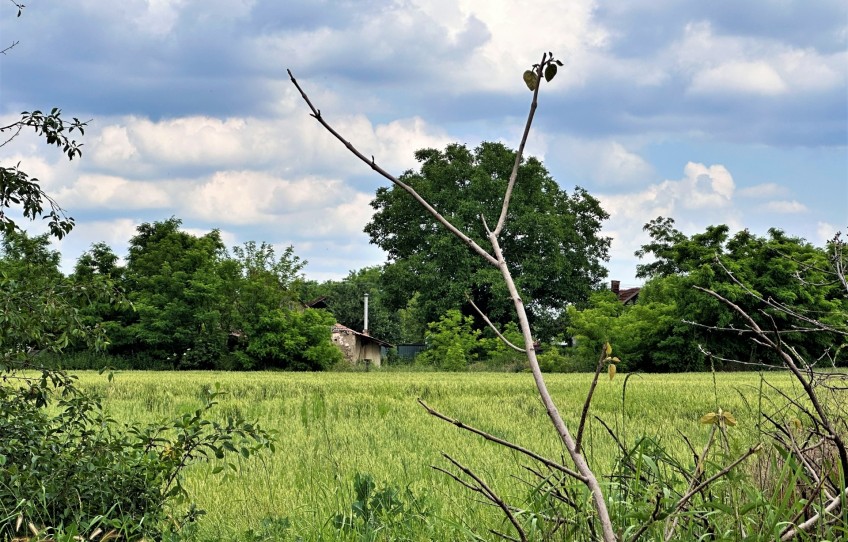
(720, 112)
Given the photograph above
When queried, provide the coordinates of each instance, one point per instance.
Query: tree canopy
(677, 327)
(552, 238)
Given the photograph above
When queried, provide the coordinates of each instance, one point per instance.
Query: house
(628, 296)
(359, 347)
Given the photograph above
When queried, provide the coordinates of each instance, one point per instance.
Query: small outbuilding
(359, 347)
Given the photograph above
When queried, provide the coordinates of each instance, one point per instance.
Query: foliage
(770, 266)
(171, 278)
(38, 307)
(197, 307)
(74, 470)
(381, 509)
(552, 239)
(24, 193)
(649, 336)
(452, 343)
(673, 324)
(296, 340)
(497, 354)
(345, 299)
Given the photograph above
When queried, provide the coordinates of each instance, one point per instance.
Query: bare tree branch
(489, 493)
(684, 500)
(494, 328)
(822, 415)
(316, 114)
(10, 47)
(514, 174)
(541, 459)
(585, 412)
(496, 258)
(831, 507)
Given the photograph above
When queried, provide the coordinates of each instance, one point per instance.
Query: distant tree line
(194, 304)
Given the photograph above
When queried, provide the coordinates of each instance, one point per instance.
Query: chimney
(365, 330)
(614, 286)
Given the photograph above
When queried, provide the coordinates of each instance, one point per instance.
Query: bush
(69, 469)
(451, 343)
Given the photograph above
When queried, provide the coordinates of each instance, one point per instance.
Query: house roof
(317, 303)
(344, 330)
(627, 295)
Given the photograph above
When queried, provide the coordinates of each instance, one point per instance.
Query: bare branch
(411, 191)
(544, 460)
(489, 493)
(831, 507)
(776, 304)
(496, 258)
(795, 370)
(495, 329)
(9, 48)
(681, 504)
(589, 395)
(514, 174)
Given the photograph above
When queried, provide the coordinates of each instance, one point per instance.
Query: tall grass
(332, 426)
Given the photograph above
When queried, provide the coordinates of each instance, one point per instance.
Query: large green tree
(786, 269)
(174, 282)
(552, 239)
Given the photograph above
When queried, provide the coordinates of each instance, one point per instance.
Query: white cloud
(607, 162)
(229, 238)
(90, 191)
(140, 147)
(739, 77)
(703, 196)
(233, 197)
(115, 233)
(825, 232)
(765, 190)
(784, 207)
(723, 64)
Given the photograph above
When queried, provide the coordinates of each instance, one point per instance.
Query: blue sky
(708, 112)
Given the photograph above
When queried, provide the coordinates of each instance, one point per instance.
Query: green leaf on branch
(550, 72)
(531, 80)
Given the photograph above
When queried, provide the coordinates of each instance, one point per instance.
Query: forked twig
(483, 489)
(512, 446)
(495, 329)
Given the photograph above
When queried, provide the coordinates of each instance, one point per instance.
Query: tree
(173, 280)
(99, 260)
(648, 336)
(769, 265)
(258, 284)
(451, 342)
(553, 238)
(294, 340)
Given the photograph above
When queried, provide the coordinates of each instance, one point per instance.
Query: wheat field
(332, 427)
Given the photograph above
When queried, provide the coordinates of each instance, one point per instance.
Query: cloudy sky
(708, 112)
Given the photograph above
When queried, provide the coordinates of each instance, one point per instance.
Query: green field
(332, 426)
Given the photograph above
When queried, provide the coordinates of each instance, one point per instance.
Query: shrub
(71, 469)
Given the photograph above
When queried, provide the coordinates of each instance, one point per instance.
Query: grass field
(332, 426)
